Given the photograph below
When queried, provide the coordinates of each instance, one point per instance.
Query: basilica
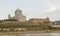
(18, 16)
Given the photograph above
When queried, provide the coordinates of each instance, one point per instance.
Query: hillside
(58, 21)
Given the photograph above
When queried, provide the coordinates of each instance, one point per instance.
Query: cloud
(52, 8)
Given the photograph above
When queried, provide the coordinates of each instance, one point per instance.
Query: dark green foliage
(10, 20)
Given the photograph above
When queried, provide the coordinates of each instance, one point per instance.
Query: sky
(31, 8)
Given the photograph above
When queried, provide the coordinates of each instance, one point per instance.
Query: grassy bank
(45, 31)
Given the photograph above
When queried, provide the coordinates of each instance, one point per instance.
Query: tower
(9, 16)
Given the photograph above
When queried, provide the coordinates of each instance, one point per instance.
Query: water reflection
(36, 34)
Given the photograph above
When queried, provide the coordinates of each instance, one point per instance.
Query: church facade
(18, 16)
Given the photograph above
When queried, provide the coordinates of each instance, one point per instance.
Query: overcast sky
(31, 8)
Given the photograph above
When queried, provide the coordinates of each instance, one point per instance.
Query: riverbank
(21, 32)
(30, 32)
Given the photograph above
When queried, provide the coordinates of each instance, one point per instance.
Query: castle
(18, 16)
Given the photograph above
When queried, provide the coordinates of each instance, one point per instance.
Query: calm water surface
(32, 34)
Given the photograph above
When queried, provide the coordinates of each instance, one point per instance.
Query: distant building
(38, 20)
(55, 25)
(18, 16)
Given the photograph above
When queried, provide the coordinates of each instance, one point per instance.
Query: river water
(32, 34)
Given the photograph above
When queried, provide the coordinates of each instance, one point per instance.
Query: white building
(18, 16)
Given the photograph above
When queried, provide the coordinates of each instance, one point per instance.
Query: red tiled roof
(38, 19)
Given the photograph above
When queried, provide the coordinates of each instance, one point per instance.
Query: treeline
(24, 25)
(28, 26)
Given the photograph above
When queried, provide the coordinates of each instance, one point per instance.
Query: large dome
(18, 10)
